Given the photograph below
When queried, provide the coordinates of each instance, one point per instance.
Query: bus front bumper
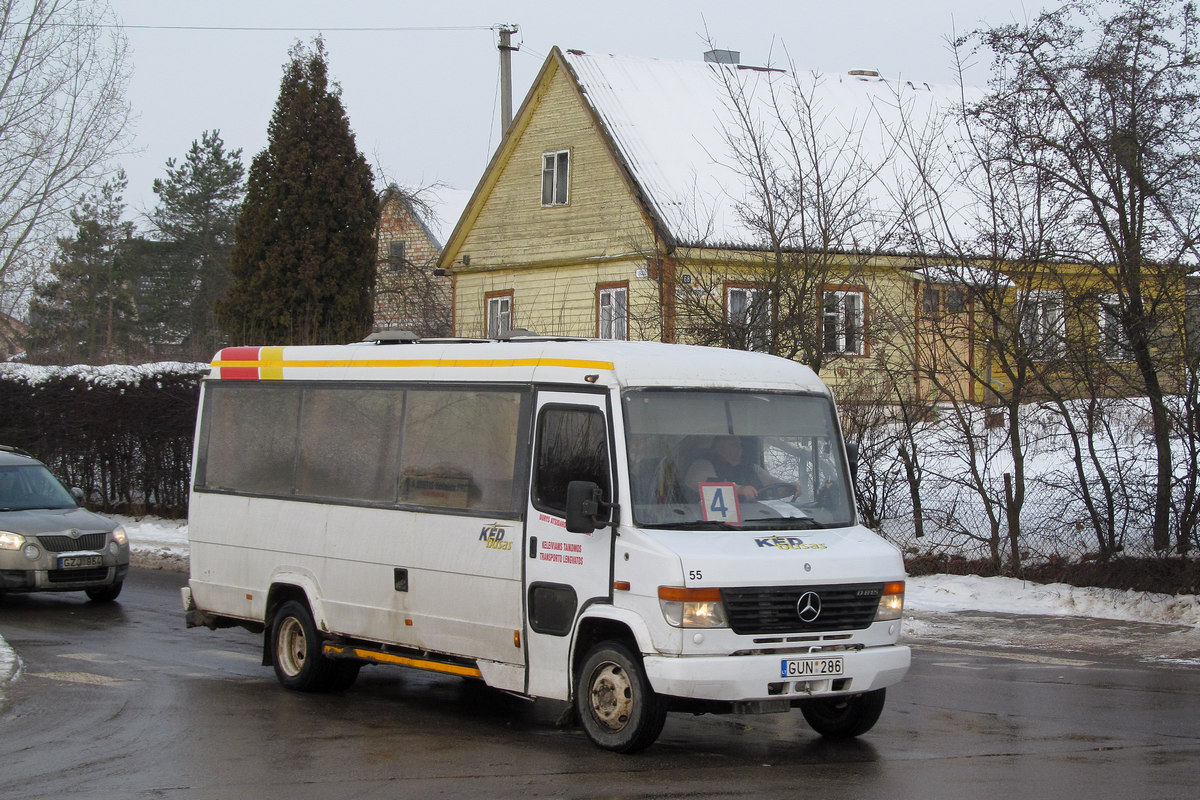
(791, 676)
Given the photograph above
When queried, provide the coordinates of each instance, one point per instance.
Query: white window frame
(556, 178)
(499, 315)
(1044, 324)
(613, 313)
(843, 322)
(1113, 343)
(744, 309)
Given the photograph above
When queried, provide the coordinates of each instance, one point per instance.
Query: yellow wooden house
(617, 206)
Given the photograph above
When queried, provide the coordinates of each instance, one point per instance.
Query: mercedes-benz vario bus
(631, 527)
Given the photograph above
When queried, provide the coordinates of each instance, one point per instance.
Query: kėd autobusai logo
(495, 537)
(788, 543)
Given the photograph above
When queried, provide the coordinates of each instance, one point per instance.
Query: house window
(556, 169)
(612, 314)
(748, 317)
(956, 300)
(1114, 344)
(843, 322)
(1043, 325)
(499, 314)
(396, 255)
(931, 301)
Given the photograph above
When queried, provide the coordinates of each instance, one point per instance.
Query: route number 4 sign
(720, 503)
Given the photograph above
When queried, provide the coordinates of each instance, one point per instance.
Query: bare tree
(1100, 117)
(63, 117)
(808, 217)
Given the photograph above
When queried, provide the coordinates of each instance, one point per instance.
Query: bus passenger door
(564, 572)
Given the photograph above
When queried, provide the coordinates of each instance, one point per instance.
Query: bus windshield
(735, 459)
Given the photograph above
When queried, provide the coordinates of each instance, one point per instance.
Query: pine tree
(198, 204)
(303, 260)
(86, 313)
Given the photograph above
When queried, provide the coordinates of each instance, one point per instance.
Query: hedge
(123, 434)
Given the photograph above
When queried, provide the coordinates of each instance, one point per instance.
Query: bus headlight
(891, 603)
(692, 608)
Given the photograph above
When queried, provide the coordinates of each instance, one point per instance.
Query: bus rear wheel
(300, 661)
(616, 705)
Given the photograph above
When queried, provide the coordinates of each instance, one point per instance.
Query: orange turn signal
(680, 594)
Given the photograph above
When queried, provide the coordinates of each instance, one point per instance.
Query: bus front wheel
(844, 716)
(617, 707)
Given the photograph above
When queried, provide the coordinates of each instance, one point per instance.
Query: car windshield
(738, 460)
(27, 486)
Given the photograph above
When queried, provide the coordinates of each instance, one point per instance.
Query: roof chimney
(723, 57)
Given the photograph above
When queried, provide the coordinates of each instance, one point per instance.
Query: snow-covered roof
(958, 275)
(671, 122)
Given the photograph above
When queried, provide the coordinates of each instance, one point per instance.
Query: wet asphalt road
(122, 701)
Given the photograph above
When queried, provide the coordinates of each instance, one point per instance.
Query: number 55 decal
(720, 503)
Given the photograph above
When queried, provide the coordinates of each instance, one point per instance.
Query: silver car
(47, 542)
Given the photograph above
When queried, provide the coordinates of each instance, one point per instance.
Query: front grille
(775, 609)
(64, 544)
(77, 575)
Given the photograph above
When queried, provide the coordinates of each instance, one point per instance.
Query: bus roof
(521, 360)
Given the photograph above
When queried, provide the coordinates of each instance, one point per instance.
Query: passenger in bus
(725, 463)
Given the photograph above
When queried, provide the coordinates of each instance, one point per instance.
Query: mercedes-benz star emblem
(808, 607)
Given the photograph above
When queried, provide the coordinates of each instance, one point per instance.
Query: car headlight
(891, 602)
(692, 608)
(118, 534)
(11, 541)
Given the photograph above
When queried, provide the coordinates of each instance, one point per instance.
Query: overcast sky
(420, 80)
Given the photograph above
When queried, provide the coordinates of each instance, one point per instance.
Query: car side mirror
(586, 510)
(77, 493)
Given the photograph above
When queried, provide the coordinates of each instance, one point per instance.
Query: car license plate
(828, 667)
(80, 562)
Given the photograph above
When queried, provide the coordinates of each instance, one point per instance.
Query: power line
(273, 29)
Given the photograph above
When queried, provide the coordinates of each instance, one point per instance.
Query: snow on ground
(163, 544)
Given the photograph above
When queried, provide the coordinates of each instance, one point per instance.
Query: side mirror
(852, 457)
(586, 511)
(77, 493)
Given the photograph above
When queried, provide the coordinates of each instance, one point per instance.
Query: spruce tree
(198, 204)
(303, 259)
(86, 312)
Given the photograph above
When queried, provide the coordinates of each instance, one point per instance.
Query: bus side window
(572, 445)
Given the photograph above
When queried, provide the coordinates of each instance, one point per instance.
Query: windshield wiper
(695, 525)
(776, 523)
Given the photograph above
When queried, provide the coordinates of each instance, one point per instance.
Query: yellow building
(625, 201)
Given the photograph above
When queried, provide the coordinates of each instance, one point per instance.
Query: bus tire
(299, 657)
(844, 716)
(615, 703)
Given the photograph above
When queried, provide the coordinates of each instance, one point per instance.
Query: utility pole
(506, 47)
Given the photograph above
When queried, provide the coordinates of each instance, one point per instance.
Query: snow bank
(1014, 596)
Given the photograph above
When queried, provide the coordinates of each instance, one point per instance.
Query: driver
(724, 464)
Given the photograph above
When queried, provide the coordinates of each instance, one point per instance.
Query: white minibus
(630, 527)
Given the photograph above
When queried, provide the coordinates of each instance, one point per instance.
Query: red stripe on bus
(239, 354)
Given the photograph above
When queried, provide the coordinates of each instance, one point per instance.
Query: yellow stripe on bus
(272, 369)
(390, 658)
